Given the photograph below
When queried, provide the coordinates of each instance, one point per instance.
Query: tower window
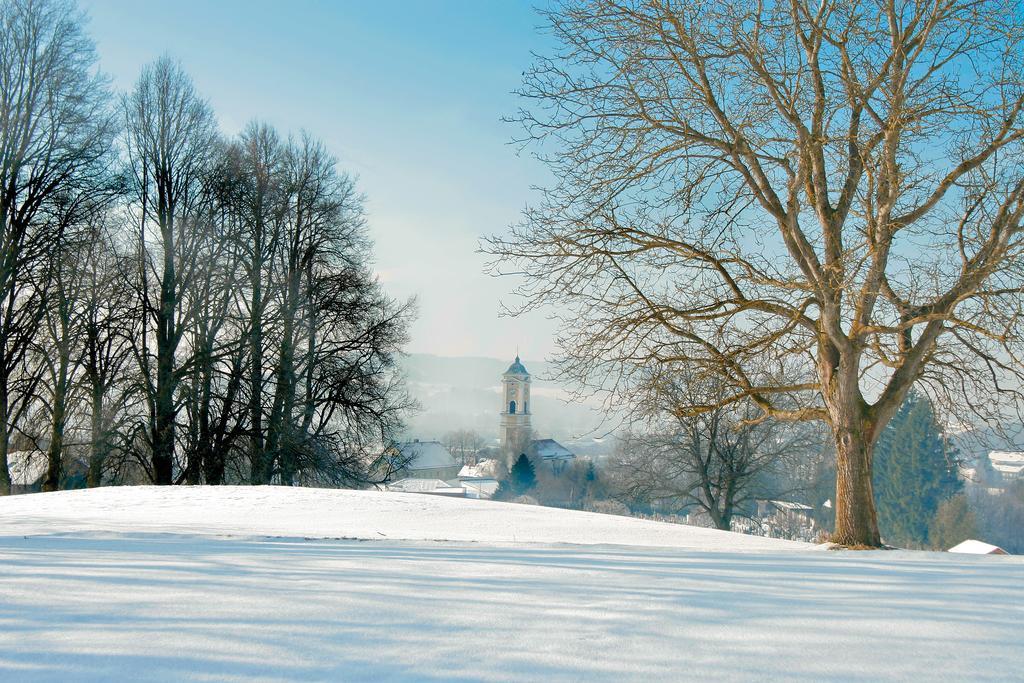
(511, 407)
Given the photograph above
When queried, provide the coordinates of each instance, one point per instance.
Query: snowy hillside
(339, 514)
(231, 583)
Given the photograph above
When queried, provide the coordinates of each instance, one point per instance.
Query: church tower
(515, 412)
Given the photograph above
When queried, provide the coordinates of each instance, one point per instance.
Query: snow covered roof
(485, 469)
(787, 505)
(1007, 457)
(549, 449)
(1007, 462)
(517, 368)
(26, 467)
(425, 486)
(974, 547)
(425, 455)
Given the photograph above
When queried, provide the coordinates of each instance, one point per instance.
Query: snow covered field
(231, 583)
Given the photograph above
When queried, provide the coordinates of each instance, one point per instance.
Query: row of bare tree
(177, 306)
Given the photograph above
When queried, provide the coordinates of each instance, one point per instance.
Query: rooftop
(485, 469)
(549, 449)
(26, 467)
(425, 455)
(1008, 457)
(973, 547)
(789, 505)
(517, 368)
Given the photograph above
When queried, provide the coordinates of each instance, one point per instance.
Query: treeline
(177, 306)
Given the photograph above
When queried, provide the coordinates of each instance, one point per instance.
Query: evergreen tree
(915, 471)
(522, 477)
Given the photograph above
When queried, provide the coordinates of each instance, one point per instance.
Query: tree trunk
(856, 520)
(258, 473)
(718, 518)
(59, 419)
(98, 452)
(5, 473)
(204, 456)
(54, 453)
(163, 427)
(280, 442)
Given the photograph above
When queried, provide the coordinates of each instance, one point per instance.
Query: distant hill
(465, 393)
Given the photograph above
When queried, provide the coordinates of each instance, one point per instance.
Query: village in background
(465, 439)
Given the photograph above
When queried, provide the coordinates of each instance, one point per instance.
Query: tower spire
(514, 421)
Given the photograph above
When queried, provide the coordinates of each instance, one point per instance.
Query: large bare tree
(55, 143)
(262, 210)
(757, 190)
(336, 391)
(171, 136)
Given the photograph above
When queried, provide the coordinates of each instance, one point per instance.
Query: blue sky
(408, 96)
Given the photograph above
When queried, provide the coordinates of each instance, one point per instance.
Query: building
(485, 469)
(480, 480)
(479, 488)
(1009, 464)
(433, 487)
(424, 460)
(515, 430)
(785, 508)
(27, 470)
(514, 423)
(552, 453)
(972, 547)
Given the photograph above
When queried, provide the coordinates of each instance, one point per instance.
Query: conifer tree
(522, 476)
(915, 471)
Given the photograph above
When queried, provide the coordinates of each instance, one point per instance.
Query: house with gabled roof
(423, 460)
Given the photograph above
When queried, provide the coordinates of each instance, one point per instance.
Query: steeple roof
(517, 368)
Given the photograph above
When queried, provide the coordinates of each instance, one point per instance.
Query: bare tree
(109, 328)
(315, 200)
(720, 460)
(76, 340)
(463, 444)
(833, 187)
(353, 397)
(212, 379)
(337, 394)
(262, 210)
(171, 138)
(55, 141)
(57, 346)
